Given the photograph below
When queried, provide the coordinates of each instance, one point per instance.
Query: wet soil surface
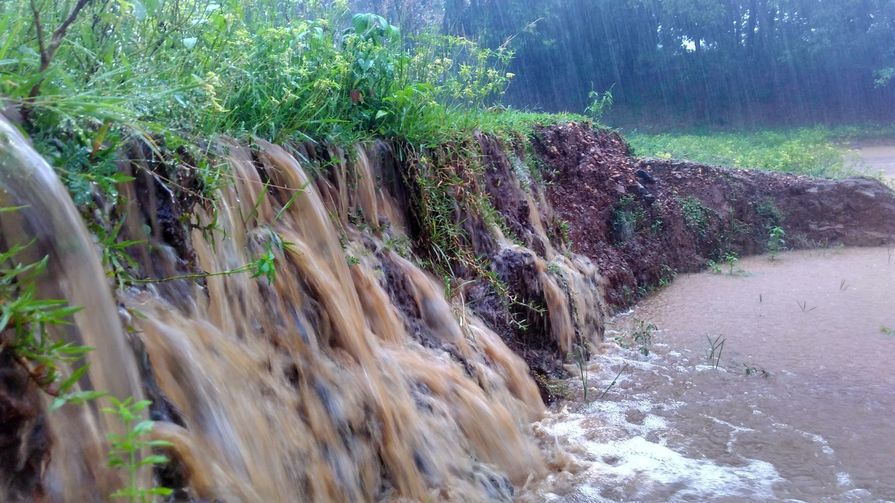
(798, 407)
(876, 158)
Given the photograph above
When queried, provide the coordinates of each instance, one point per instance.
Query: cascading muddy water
(344, 372)
(335, 381)
(48, 220)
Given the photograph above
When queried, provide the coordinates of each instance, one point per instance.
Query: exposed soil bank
(642, 221)
(797, 409)
(419, 296)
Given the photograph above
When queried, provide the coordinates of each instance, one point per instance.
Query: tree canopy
(695, 60)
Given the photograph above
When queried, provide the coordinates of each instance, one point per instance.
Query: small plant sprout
(886, 330)
(600, 103)
(126, 451)
(776, 241)
(803, 305)
(732, 260)
(643, 336)
(716, 347)
(580, 356)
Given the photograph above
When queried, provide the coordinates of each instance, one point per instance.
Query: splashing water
(337, 381)
(796, 410)
(49, 221)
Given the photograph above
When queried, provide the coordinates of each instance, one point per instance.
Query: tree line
(698, 61)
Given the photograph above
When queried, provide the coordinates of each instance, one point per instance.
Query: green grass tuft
(808, 151)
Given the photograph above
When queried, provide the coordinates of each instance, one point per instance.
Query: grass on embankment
(815, 151)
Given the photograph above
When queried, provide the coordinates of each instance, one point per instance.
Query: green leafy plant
(776, 241)
(564, 230)
(642, 335)
(728, 266)
(127, 449)
(599, 104)
(731, 259)
(666, 275)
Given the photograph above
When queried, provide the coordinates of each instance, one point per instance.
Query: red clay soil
(643, 220)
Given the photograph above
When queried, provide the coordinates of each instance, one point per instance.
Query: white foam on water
(843, 480)
(857, 494)
(701, 477)
(618, 454)
(622, 446)
(643, 467)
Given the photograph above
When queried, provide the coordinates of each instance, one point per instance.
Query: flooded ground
(796, 405)
(877, 158)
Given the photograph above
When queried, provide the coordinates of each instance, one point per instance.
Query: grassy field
(816, 151)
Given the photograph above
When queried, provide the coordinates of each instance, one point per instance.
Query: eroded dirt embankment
(389, 350)
(643, 220)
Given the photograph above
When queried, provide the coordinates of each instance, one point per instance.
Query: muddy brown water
(799, 407)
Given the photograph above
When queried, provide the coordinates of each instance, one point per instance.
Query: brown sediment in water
(797, 408)
(353, 375)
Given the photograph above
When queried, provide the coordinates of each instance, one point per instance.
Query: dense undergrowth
(92, 74)
(815, 151)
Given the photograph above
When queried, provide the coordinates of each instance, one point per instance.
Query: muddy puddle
(796, 405)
